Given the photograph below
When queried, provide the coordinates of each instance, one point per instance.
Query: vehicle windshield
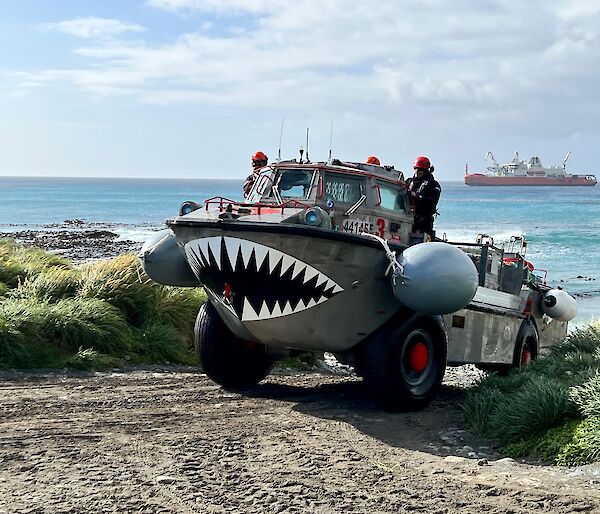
(294, 183)
(281, 182)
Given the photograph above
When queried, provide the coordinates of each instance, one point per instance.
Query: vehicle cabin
(359, 197)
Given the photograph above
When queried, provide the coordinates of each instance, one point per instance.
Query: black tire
(404, 365)
(526, 346)
(228, 360)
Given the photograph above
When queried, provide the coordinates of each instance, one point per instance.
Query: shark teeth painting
(262, 282)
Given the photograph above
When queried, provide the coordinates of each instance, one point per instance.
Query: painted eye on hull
(266, 283)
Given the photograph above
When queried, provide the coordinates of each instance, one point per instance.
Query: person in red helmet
(259, 160)
(373, 160)
(424, 192)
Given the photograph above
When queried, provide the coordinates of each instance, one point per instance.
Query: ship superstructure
(527, 173)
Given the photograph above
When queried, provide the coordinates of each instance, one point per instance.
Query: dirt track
(172, 441)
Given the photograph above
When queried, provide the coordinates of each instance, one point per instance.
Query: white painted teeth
(198, 253)
(249, 314)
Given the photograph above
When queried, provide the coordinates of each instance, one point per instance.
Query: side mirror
(320, 193)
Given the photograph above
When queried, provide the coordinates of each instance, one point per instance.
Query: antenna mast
(330, 140)
(280, 138)
(307, 159)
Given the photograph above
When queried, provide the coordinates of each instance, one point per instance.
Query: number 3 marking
(381, 227)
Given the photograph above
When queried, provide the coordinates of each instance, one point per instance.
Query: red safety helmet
(373, 160)
(422, 163)
(259, 156)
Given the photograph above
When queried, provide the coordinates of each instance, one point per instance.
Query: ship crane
(490, 157)
(564, 163)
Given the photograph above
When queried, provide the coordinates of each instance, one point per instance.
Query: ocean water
(561, 225)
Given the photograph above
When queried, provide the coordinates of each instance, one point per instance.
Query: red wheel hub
(526, 356)
(418, 357)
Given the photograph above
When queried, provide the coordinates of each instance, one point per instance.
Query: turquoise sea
(562, 226)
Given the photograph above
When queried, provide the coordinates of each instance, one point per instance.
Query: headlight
(316, 217)
(187, 207)
(313, 217)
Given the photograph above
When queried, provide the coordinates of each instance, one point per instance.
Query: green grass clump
(584, 447)
(161, 343)
(22, 335)
(544, 408)
(18, 263)
(88, 323)
(122, 283)
(175, 307)
(89, 359)
(53, 314)
(587, 397)
(49, 285)
(542, 404)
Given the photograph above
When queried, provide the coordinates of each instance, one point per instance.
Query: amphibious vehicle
(320, 256)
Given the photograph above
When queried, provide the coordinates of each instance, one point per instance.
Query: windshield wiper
(353, 208)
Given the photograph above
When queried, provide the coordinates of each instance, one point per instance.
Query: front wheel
(404, 366)
(224, 357)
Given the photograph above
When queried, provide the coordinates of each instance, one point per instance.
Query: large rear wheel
(526, 347)
(404, 365)
(224, 357)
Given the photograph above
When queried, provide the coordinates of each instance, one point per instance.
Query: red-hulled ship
(527, 173)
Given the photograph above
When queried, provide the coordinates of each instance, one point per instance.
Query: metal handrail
(223, 201)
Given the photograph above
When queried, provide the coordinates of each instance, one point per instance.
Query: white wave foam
(469, 236)
(139, 234)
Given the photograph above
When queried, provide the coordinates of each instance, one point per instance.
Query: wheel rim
(416, 359)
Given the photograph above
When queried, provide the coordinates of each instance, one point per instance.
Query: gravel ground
(170, 440)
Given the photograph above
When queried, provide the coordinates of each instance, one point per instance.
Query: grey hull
(290, 290)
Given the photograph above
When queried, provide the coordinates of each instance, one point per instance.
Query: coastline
(81, 241)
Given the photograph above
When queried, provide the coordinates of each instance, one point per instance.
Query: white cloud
(460, 62)
(217, 5)
(91, 27)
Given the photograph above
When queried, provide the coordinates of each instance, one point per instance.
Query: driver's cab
(279, 183)
(356, 199)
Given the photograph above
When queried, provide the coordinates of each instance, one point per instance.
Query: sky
(191, 88)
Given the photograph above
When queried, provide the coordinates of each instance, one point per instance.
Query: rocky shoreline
(77, 240)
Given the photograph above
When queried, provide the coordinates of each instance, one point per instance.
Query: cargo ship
(527, 173)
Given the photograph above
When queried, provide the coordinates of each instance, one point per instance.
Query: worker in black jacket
(424, 192)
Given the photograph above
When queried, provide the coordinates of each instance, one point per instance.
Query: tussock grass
(17, 263)
(122, 283)
(584, 446)
(49, 285)
(89, 359)
(22, 335)
(541, 405)
(55, 314)
(161, 344)
(587, 397)
(176, 308)
(551, 408)
(86, 323)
